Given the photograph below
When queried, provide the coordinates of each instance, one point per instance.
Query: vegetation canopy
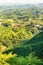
(21, 35)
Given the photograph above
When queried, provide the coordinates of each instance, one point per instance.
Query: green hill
(33, 45)
(37, 39)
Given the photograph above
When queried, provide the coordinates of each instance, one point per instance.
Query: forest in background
(21, 35)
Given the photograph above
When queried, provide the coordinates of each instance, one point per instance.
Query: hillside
(21, 35)
(33, 45)
(37, 39)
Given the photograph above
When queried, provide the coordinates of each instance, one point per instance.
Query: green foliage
(29, 60)
(21, 32)
(15, 60)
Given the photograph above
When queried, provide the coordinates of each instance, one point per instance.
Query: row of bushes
(15, 60)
